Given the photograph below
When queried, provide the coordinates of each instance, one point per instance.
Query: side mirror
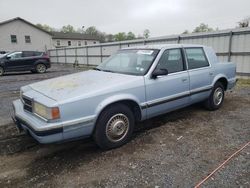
(8, 57)
(159, 72)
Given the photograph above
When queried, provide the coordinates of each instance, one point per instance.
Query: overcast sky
(161, 17)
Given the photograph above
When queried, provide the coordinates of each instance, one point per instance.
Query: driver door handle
(184, 79)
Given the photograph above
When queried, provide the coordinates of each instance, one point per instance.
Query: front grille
(27, 104)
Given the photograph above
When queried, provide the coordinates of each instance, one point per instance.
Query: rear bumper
(48, 65)
(231, 83)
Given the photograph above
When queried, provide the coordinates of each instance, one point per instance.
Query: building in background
(61, 39)
(18, 34)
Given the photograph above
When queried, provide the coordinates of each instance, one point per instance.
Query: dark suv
(24, 61)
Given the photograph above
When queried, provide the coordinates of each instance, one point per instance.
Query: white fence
(230, 45)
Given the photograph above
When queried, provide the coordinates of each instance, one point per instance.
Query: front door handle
(184, 79)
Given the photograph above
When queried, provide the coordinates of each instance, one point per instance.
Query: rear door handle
(211, 73)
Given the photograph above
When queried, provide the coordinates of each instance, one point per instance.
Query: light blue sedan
(132, 85)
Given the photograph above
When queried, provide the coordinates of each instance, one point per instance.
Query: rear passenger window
(28, 53)
(171, 60)
(196, 58)
(37, 53)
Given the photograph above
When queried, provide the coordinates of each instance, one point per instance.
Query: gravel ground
(177, 149)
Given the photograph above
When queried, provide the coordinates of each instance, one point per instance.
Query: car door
(13, 61)
(171, 91)
(28, 59)
(200, 73)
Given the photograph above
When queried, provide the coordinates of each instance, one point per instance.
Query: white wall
(74, 43)
(40, 41)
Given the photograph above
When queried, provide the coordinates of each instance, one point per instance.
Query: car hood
(84, 84)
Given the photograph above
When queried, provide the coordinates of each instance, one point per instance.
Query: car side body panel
(81, 97)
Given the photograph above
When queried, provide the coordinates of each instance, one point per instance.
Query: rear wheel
(1, 71)
(114, 127)
(40, 68)
(216, 97)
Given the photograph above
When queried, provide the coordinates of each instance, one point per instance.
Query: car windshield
(134, 61)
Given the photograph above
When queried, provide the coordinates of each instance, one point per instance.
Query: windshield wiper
(102, 70)
(97, 69)
(107, 70)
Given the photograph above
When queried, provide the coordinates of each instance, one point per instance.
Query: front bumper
(45, 132)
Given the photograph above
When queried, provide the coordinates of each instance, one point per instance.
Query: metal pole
(65, 55)
(178, 39)
(87, 55)
(101, 52)
(57, 58)
(230, 46)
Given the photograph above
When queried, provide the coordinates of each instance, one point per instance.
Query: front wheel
(40, 68)
(216, 97)
(114, 127)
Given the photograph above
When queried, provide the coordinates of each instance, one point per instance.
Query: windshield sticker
(145, 52)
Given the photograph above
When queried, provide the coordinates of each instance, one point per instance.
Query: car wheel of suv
(1, 71)
(114, 127)
(40, 68)
(216, 97)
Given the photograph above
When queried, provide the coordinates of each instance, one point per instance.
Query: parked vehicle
(132, 85)
(2, 53)
(32, 61)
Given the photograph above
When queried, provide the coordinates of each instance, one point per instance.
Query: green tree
(68, 29)
(203, 28)
(185, 32)
(146, 33)
(110, 38)
(120, 36)
(92, 31)
(45, 27)
(130, 36)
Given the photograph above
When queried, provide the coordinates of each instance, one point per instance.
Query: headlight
(46, 112)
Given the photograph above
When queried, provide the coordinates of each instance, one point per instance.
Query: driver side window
(171, 60)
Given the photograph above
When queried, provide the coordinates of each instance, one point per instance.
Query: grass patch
(243, 83)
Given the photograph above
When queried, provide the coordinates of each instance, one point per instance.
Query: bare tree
(244, 22)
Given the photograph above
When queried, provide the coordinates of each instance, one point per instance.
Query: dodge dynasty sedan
(132, 85)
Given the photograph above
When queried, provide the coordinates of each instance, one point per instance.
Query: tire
(216, 97)
(1, 71)
(41, 68)
(114, 127)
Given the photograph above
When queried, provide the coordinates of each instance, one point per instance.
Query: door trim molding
(175, 97)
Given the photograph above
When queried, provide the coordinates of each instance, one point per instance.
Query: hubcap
(1, 71)
(218, 96)
(117, 127)
(41, 68)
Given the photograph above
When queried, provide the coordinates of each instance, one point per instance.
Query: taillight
(46, 55)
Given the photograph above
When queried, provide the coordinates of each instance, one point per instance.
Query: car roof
(161, 46)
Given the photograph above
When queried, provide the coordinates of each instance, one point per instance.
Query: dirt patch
(177, 149)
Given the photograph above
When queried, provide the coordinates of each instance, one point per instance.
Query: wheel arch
(131, 102)
(222, 79)
(40, 62)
